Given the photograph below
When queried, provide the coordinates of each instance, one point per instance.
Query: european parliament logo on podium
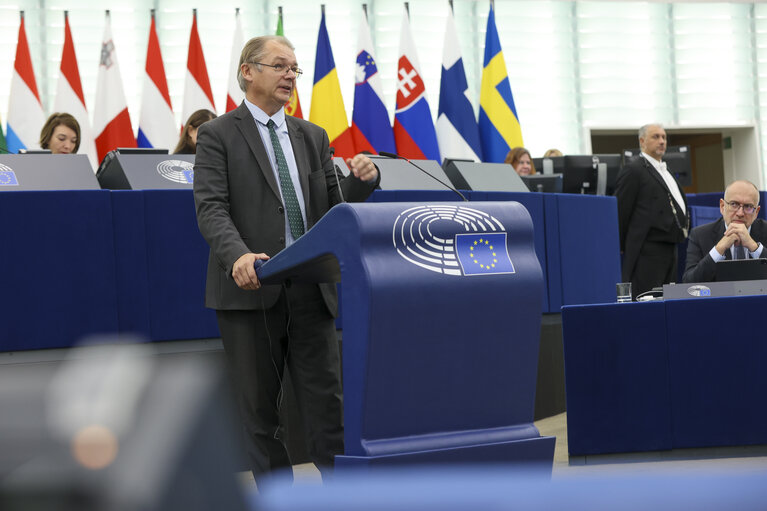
(178, 171)
(7, 176)
(452, 240)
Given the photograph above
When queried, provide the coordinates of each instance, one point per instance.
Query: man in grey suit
(737, 235)
(261, 179)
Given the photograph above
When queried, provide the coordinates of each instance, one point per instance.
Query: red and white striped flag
(197, 92)
(111, 120)
(234, 94)
(157, 124)
(25, 111)
(70, 98)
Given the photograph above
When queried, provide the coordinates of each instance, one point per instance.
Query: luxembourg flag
(70, 98)
(370, 120)
(111, 121)
(413, 127)
(157, 125)
(457, 130)
(25, 111)
(197, 92)
(234, 94)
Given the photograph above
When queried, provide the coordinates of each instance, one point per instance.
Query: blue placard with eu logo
(483, 253)
(7, 176)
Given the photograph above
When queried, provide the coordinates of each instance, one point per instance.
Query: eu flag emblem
(189, 175)
(483, 253)
(8, 177)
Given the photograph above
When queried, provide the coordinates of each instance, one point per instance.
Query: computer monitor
(34, 151)
(740, 269)
(557, 165)
(677, 158)
(141, 150)
(548, 183)
(580, 174)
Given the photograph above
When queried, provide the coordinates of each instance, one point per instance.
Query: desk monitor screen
(35, 151)
(141, 150)
(741, 269)
(580, 174)
(677, 158)
(557, 164)
(549, 183)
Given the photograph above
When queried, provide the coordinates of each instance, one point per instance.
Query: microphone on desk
(398, 157)
(336, 170)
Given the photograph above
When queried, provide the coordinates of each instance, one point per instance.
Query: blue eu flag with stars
(8, 178)
(483, 253)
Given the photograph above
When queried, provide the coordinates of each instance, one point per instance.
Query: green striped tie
(286, 184)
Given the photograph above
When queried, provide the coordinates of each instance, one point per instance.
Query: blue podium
(442, 310)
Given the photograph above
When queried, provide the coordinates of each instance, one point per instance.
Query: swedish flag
(499, 128)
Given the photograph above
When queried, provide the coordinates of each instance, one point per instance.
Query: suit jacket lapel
(299, 151)
(247, 126)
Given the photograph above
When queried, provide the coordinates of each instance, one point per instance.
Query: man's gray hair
(643, 129)
(255, 50)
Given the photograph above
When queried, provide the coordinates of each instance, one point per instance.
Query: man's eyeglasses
(282, 68)
(735, 206)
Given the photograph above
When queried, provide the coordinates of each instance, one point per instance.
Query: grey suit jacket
(239, 209)
(699, 266)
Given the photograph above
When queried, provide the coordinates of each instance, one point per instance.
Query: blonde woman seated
(60, 134)
(520, 159)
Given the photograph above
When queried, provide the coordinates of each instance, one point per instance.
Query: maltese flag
(157, 125)
(197, 92)
(234, 94)
(25, 111)
(414, 131)
(70, 98)
(111, 121)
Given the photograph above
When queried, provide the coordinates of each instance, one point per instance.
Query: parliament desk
(665, 375)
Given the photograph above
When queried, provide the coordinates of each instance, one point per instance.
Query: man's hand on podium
(244, 273)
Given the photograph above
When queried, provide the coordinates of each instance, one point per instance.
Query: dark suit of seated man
(737, 235)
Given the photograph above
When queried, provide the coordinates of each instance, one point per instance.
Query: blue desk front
(665, 375)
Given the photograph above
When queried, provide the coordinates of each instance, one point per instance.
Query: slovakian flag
(197, 92)
(234, 94)
(413, 126)
(70, 98)
(111, 121)
(457, 130)
(293, 106)
(370, 120)
(327, 108)
(25, 111)
(499, 127)
(157, 124)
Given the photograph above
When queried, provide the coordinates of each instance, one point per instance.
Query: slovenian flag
(234, 94)
(25, 111)
(413, 127)
(327, 108)
(70, 98)
(157, 124)
(293, 106)
(499, 127)
(111, 120)
(197, 92)
(457, 130)
(370, 121)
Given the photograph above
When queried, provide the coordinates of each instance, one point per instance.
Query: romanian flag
(499, 128)
(327, 108)
(292, 107)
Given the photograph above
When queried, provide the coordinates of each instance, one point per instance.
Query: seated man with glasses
(737, 235)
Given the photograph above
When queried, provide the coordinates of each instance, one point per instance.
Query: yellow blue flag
(499, 128)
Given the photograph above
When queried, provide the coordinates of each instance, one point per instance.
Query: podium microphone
(398, 157)
(336, 170)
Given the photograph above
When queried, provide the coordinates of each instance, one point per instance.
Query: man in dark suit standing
(652, 215)
(261, 179)
(737, 235)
